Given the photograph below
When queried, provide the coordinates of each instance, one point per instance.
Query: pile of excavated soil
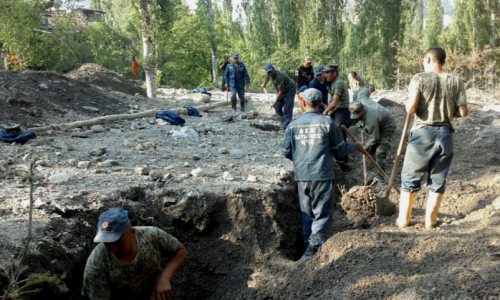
(98, 75)
(39, 98)
(359, 203)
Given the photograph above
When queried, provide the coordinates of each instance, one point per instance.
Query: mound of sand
(98, 75)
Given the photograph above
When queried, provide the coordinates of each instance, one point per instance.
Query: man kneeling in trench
(310, 142)
(127, 262)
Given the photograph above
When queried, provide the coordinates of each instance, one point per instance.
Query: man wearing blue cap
(126, 263)
(236, 75)
(311, 142)
(320, 83)
(283, 105)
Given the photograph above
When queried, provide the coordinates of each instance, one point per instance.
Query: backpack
(192, 111)
(172, 117)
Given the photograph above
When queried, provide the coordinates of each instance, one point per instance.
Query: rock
(145, 147)
(68, 147)
(91, 108)
(237, 153)
(97, 151)
(43, 86)
(155, 175)
(248, 98)
(72, 162)
(199, 172)
(198, 97)
(139, 125)
(196, 157)
(84, 164)
(115, 130)
(187, 165)
(109, 163)
(141, 171)
(167, 177)
(227, 177)
(252, 178)
(79, 134)
(161, 122)
(266, 126)
(184, 176)
(97, 128)
(40, 204)
(127, 144)
(223, 151)
(169, 167)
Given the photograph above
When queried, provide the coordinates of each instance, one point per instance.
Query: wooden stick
(114, 118)
(370, 158)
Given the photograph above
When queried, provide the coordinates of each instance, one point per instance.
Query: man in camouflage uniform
(283, 105)
(127, 262)
(435, 97)
(379, 124)
(304, 73)
(338, 108)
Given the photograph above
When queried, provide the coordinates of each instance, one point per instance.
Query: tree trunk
(213, 43)
(149, 68)
(491, 61)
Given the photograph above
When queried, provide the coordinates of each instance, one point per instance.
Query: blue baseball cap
(269, 67)
(304, 88)
(319, 70)
(236, 55)
(111, 225)
(312, 96)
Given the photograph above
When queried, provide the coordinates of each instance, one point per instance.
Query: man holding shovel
(310, 142)
(436, 97)
(378, 123)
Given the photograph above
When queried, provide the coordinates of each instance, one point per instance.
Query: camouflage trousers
(379, 152)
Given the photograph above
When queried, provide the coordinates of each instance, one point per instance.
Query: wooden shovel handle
(370, 158)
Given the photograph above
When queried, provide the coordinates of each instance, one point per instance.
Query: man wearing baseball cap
(126, 262)
(379, 124)
(304, 73)
(283, 105)
(236, 78)
(320, 83)
(310, 142)
(338, 108)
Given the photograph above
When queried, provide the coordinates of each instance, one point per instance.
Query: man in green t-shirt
(338, 108)
(127, 262)
(435, 97)
(283, 105)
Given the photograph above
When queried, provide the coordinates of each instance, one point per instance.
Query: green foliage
(434, 24)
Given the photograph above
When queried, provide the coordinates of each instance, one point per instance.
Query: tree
(434, 23)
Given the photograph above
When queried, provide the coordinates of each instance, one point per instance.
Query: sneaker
(309, 253)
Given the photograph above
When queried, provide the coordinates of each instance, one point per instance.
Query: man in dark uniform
(304, 73)
(223, 66)
(236, 76)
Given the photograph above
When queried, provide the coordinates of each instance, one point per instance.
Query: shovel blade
(385, 207)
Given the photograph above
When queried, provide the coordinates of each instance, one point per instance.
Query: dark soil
(98, 75)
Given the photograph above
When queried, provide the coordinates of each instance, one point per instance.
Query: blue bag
(15, 137)
(192, 111)
(172, 117)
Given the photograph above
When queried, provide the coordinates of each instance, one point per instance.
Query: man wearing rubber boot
(283, 105)
(236, 75)
(338, 108)
(379, 124)
(436, 97)
(310, 142)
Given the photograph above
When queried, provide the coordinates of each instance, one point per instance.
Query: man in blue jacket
(320, 83)
(310, 142)
(236, 75)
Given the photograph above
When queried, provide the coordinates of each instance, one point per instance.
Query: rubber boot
(406, 201)
(431, 213)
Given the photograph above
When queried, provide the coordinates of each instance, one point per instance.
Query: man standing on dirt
(223, 66)
(283, 105)
(127, 261)
(310, 142)
(304, 73)
(379, 124)
(355, 82)
(320, 83)
(435, 97)
(338, 108)
(236, 76)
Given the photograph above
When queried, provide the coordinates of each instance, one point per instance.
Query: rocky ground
(228, 195)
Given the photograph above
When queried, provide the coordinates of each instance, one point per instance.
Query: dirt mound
(359, 203)
(98, 75)
(39, 98)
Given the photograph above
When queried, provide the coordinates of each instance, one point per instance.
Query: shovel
(384, 206)
(227, 94)
(383, 201)
(268, 96)
(364, 163)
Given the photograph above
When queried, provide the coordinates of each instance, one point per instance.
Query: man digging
(127, 262)
(310, 142)
(435, 98)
